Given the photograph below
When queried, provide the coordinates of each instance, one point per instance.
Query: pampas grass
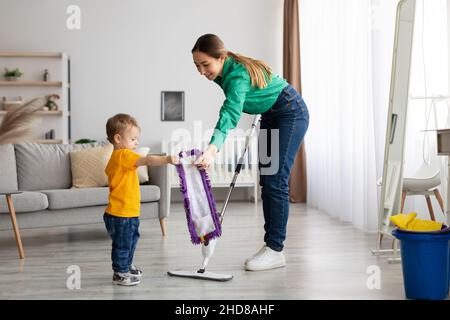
(17, 123)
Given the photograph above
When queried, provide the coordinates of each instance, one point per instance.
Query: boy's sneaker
(135, 271)
(125, 279)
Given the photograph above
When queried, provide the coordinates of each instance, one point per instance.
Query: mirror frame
(391, 190)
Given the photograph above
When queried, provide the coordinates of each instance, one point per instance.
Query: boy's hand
(206, 159)
(174, 159)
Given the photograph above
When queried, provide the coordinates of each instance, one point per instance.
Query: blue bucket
(425, 263)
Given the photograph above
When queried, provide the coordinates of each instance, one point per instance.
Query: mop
(204, 223)
(199, 204)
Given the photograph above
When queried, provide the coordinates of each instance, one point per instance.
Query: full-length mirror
(397, 116)
(415, 175)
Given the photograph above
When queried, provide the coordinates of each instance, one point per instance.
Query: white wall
(126, 53)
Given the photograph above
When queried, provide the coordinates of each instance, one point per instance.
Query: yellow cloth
(124, 192)
(409, 222)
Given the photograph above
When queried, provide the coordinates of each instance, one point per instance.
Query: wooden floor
(326, 259)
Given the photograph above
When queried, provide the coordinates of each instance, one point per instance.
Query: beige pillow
(143, 171)
(88, 166)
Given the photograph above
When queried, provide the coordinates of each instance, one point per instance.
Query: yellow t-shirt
(124, 192)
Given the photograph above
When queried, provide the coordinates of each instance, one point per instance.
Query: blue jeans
(290, 116)
(124, 233)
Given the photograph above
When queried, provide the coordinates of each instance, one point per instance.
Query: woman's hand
(174, 159)
(206, 159)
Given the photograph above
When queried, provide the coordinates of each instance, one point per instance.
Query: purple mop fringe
(195, 238)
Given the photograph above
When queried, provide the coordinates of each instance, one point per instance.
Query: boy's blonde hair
(118, 124)
(213, 46)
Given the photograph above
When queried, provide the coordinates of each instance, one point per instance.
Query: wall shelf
(32, 85)
(43, 113)
(29, 54)
(25, 83)
(49, 141)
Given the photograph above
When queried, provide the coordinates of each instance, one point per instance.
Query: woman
(251, 87)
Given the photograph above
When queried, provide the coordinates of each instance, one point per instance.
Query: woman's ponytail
(258, 71)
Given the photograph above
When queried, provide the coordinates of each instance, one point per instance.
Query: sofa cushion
(45, 166)
(8, 170)
(142, 171)
(85, 197)
(88, 166)
(25, 202)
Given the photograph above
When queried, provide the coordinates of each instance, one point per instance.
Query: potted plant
(12, 75)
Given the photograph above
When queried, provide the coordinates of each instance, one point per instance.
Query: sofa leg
(162, 223)
(12, 214)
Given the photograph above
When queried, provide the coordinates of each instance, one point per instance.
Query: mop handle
(239, 166)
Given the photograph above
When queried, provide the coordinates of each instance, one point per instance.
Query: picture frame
(172, 105)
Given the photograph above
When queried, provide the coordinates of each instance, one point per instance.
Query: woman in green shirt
(250, 87)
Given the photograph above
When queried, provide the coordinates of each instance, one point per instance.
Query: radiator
(222, 170)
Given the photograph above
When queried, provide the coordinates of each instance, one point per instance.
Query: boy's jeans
(124, 233)
(290, 116)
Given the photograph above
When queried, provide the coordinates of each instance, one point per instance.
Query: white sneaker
(256, 254)
(268, 259)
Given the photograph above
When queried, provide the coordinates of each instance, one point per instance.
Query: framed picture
(172, 105)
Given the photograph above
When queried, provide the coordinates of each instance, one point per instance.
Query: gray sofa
(42, 172)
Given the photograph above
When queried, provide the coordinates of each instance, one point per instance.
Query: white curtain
(337, 77)
(346, 49)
